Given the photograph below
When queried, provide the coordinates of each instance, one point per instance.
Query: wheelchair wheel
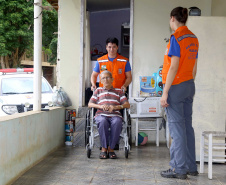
(87, 128)
(88, 152)
(126, 152)
(129, 131)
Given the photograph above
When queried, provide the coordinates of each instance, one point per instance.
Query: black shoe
(195, 173)
(171, 174)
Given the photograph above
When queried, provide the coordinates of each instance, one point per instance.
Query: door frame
(81, 70)
(82, 45)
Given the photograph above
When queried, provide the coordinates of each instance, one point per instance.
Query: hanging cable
(37, 4)
(140, 100)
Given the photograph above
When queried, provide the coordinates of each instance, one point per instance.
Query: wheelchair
(91, 132)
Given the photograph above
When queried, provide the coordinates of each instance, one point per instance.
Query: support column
(37, 54)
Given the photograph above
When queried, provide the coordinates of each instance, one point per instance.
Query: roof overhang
(54, 4)
(99, 5)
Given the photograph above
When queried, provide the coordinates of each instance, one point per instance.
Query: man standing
(108, 101)
(118, 65)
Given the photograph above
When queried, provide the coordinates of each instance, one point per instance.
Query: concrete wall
(26, 138)
(209, 113)
(69, 48)
(87, 57)
(218, 8)
(151, 26)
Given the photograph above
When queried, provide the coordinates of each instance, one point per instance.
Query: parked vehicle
(16, 91)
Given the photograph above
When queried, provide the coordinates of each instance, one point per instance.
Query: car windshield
(22, 85)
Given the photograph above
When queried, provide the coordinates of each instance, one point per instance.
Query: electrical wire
(141, 100)
(37, 4)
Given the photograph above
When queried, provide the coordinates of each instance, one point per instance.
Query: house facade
(149, 28)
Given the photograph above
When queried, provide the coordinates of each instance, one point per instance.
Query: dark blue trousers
(103, 125)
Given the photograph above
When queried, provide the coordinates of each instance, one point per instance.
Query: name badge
(103, 67)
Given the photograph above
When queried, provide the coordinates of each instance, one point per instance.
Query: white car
(16, 91)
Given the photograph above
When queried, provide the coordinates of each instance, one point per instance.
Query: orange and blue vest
(117, 68)
(189, 46)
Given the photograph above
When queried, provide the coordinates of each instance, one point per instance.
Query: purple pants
(103, 125)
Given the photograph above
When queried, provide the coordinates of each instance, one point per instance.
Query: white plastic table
(146, 107)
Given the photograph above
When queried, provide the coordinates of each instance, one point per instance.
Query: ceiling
(54, 3)
(100, 5)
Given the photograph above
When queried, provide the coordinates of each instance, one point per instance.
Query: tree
(49, 38)
(16, 19)
(16, 30)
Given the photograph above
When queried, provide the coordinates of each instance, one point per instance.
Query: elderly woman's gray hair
(106, 72)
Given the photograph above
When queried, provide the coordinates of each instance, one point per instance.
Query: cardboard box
(147, 86)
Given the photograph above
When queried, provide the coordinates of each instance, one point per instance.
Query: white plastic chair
(207, 149)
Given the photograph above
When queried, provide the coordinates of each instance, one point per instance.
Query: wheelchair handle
(94, 90)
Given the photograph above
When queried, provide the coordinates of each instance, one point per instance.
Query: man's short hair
(106, 72)
(112, 40)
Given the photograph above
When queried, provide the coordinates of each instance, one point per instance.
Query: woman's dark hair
(180, 13)
(112, 40)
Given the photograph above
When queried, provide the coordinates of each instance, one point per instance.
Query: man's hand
(108, 108)
(111, 108)
(93, 79)
(93, 87)
(123, 88)
(163, 100)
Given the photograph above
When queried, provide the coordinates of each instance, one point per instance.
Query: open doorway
(111, 20)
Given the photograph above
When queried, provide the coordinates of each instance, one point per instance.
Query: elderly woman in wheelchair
(108, 101)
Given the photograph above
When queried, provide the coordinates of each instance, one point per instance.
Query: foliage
(16, 30)
(53, 49)
(49, 39)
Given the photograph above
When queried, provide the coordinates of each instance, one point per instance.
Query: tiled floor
(70, 166)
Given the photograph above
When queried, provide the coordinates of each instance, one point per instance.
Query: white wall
(69, 48)
(151, 26)
(218, 8)
(88, 65)
(26, 138)
(209, 113)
